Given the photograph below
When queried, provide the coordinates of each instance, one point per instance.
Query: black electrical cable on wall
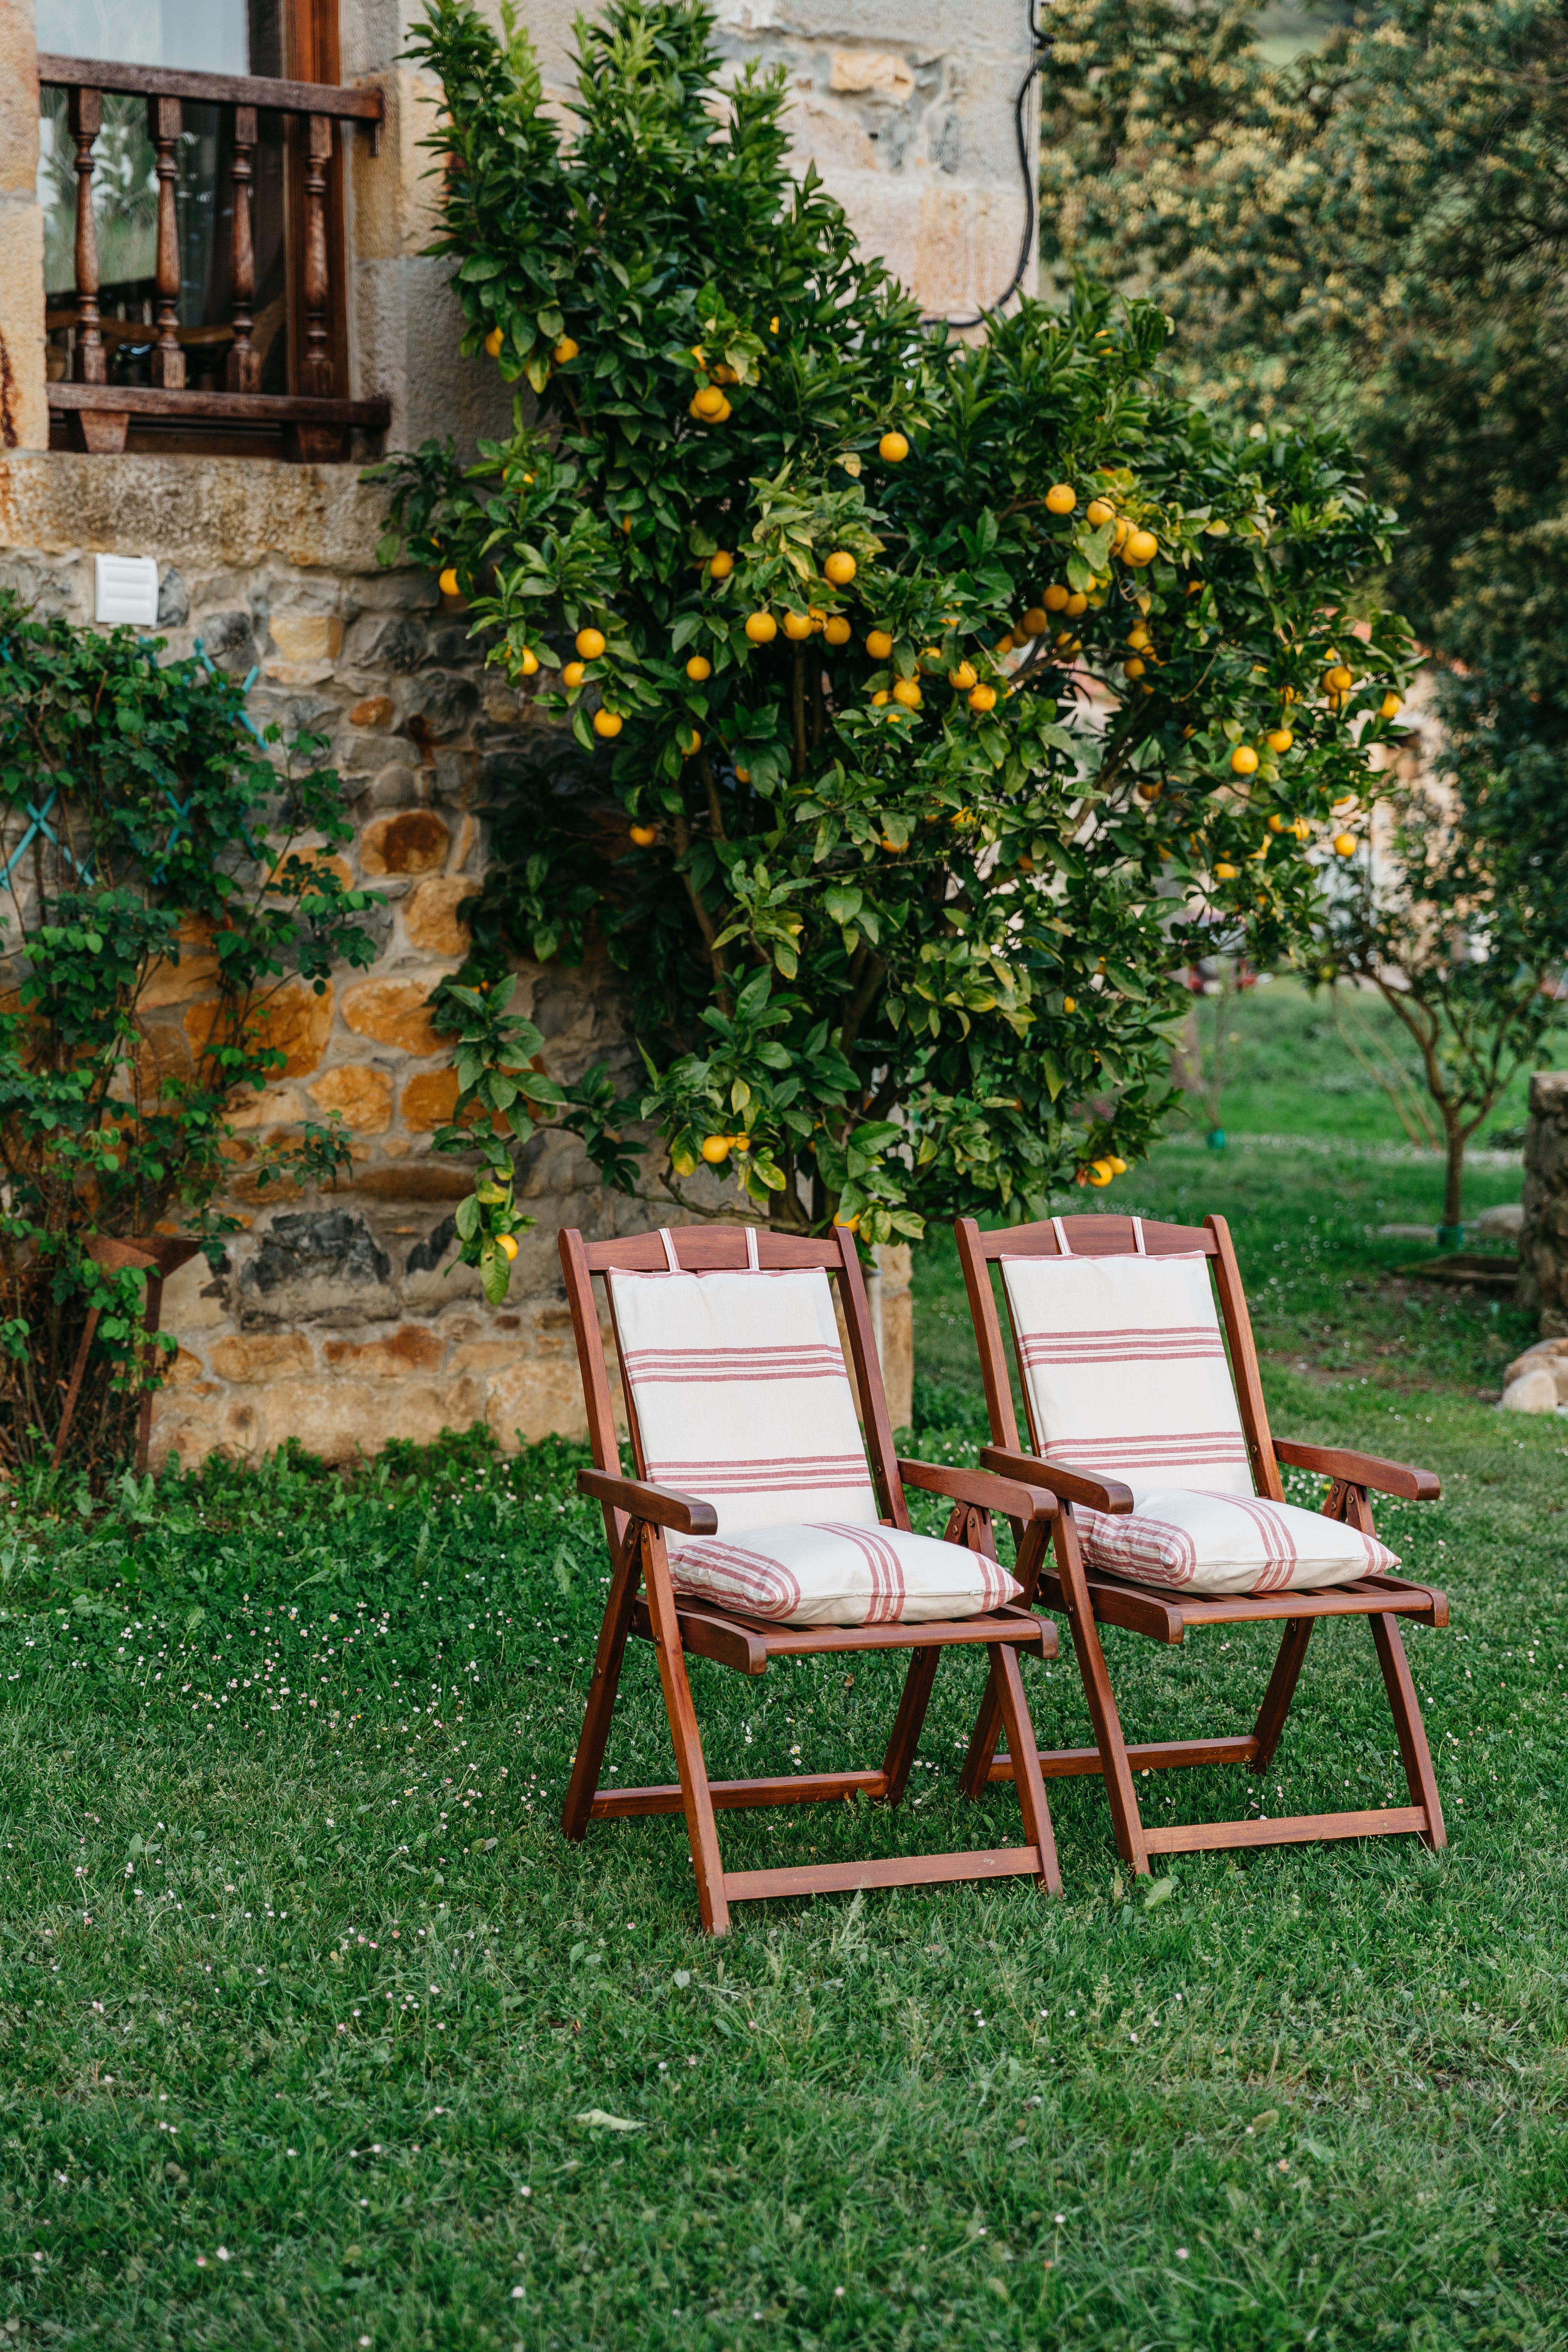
(1042, 48)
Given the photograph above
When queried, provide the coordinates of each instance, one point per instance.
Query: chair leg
(1123, 1796)
(697, 1802)
(1281, 1690)
(1023, 1747)
(595, 1736)
(909, 1722)
(1406, 1711)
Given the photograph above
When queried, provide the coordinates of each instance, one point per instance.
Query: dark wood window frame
(313, 421)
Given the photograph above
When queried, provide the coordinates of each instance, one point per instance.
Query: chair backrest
(1120, 1356)
(734, 1373)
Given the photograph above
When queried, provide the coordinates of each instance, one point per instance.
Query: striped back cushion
(742, 1395)
(1126, 1369)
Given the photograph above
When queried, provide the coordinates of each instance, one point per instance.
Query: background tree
(141, 822)
(922, 696)
(1376, 232)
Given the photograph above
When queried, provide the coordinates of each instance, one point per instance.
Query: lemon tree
(922, 703)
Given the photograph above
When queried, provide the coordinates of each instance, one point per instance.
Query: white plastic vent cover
(126, 590)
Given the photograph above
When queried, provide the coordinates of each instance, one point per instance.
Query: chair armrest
(1361, 1470)
(686, 1513)
(1010, 1498)
(1071, 1485)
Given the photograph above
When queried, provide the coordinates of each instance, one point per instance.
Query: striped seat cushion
(1127, 1378)
(742, 1397)
(838, 1573)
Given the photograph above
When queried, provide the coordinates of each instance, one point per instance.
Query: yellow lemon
(1279, 739)
(448, 584)
(983, 698)
(709, 402)
(1069, 1005)
(839, 568)
(1118, 1167)
(836, 630)
(1302, 829)
(1075, 605)
(608, 723)
(1035, 621)
(892, 448)
(528, 661)
(493, 342)
(715, 1149)
(1061, 499)
(565, 349)
(507, 1244)
(1099, 512)
(962, 678)
(1276, 824)
(1138, 638)
(719, 566)
(773, 326)
(1134, 668)
(574, 674)
(880, 697)
(1344, 844)
(797, 626)
(1101, 1174)
(645, 836)
(1143, 547)
(907, 691)
(1390, 705)
(741, 1142)
(1243, 760)
(761, 628)
(691, 746)
(879, 645)
(699, 669)
(743, 775)
(1226, 872)
(590, 644)
(1055, 598)
(1338, 681)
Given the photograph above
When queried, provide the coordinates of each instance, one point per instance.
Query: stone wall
(338, 1320)
(1543, 1242)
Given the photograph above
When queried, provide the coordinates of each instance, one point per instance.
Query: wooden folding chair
(1091, 1597)
(641, 1518)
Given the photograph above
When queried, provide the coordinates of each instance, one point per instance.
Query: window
(190, 178)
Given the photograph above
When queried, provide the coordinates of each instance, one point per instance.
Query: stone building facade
(1543, 1240)
(342, 1320)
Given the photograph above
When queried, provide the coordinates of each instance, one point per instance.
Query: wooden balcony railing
(316, 422)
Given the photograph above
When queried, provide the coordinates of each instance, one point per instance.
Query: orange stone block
(395, 1012)
(430, 915)
(415, 840)
(375, 710)
(429, 1100)
(360, 1096)
(170, 982)
(294, 1022)
(410, 1349)
(267, 1355)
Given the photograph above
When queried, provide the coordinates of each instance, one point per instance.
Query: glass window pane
(197, 35)
(230, 37)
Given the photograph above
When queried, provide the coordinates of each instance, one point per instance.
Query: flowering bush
(925, 700)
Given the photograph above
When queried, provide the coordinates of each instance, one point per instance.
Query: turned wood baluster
(85, 114)
(244, 372)
(316, 372)
(168, 359)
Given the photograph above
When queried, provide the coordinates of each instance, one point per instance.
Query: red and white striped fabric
(742, 1397)
(1127, 1378)
(835, 1573)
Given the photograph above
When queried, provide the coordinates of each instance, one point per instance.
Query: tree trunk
(1454, 1178)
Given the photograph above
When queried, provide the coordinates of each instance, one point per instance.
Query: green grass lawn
(303, 1999)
